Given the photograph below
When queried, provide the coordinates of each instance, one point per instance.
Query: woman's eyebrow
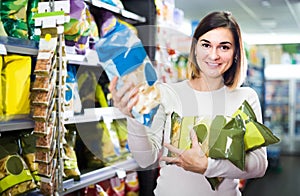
(224, 42)
(205, 40)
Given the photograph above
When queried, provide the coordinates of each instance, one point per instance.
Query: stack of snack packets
(223, 137)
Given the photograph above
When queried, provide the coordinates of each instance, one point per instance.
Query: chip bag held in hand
(121, 53)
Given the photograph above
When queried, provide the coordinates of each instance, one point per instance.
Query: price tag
(3, 49)
(121, 173)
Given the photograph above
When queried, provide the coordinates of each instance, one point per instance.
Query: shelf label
(3, 49)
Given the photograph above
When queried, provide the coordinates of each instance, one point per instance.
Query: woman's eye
(204, 45)
(225, 47)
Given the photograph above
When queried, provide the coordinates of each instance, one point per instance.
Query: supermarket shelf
(99, 175)
(18, 46)
(19, 122)
(122, 12)
(95, 114)
(16, 123)
(89, 59)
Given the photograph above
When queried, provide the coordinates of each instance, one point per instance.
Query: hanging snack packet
(121, 53)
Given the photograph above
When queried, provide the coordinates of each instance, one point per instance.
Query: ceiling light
(268, 23)
(265, 3)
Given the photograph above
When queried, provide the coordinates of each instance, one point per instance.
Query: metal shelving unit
(95, 114)
(19, 46)
(16, 124)
(124, 13)
(98, 175)
(282, 104)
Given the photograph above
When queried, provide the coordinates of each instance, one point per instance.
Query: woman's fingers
(124, 98)
(194, 138)
(173, 149)
(173, 160)
(195, 143)
(113, 84)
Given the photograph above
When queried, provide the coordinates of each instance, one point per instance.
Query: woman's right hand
(124, 98)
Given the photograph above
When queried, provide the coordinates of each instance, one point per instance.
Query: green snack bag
(222, 140)
(175, 130)
(32, 9)
(14, 19)
(257, 134)
(15, 176)
(28, 142)
(229, 143)
(180, 131)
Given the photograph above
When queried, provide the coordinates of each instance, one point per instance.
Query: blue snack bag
(121, 53)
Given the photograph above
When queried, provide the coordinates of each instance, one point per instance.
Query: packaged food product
(45, 141)
(257, 134)
(14, 18)
(132, 184)
(15, 176)
(43, 112)
(117, 187)
(44, 83)
(43, 97)
(47, 169)
(72, 99)
(46, 156)
(48, 183)
(43, 127)
(1, 63)
(71, 169)
(122, 54)
(28, 141)
(15, 80)
(46, 62)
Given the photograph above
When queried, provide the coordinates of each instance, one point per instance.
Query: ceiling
(261, 21)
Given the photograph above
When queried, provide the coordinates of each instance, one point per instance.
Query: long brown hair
(233, 76)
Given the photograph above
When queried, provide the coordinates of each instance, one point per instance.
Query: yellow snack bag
(15, 80)
(1, 108)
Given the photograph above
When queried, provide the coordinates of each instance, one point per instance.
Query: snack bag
(121, 53)
(82, 30)
(28, 141)
(14, 18)
(15, 80)
(15, 176)
(256, 134)
(1, 106)
(72, 98)
(71, 169)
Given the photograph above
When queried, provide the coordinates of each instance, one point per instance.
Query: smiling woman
(216, 62)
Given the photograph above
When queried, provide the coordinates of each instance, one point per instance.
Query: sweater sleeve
(255, 161)
(145, 143)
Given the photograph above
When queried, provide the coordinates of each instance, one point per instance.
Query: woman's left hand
(193, 159)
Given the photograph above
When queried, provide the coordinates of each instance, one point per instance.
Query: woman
(217, 66)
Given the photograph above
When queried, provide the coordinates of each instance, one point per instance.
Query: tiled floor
(283, 180)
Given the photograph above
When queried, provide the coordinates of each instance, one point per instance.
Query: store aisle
(281, 181)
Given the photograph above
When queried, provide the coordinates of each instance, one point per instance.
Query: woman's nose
(214, 54)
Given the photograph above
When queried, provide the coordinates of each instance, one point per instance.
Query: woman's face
(214, 52)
